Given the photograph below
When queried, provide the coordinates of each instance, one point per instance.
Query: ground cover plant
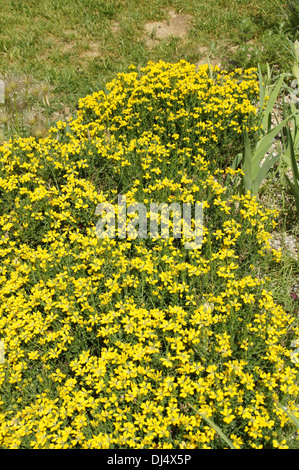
(116, 342)
(133, 341)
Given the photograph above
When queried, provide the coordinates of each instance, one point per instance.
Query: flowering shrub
(110, 343)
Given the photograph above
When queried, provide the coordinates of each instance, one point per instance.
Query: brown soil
(177, 26)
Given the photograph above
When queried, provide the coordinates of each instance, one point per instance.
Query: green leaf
(294, 190)
(261, 88)
(263, 171)
(265, 143)
(294, 187)
(272, 99)
(293, 158)
(294, 111)
(247, 166)
(236, 161)
(210, 70)
(295, 71)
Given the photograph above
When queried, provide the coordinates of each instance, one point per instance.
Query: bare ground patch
(93, 51)
(176, 26)
(206, 57)
(115, 27)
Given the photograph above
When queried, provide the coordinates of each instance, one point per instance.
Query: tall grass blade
(236, 161)
(265, 143)
(290, 414)
(263, 171)
(247, 164)
(214, 426)
(261, 88)
(272, 99)
(294, 187)
(293, 157)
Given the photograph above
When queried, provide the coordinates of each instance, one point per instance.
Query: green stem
(16, 112)
(214, 426)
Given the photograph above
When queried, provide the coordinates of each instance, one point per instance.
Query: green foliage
(258, 162)
(293, 15)
(293, 185)
(140, 342)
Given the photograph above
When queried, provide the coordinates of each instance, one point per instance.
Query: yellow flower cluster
(108, 341)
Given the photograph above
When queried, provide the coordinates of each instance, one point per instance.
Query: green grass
(78, 49)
